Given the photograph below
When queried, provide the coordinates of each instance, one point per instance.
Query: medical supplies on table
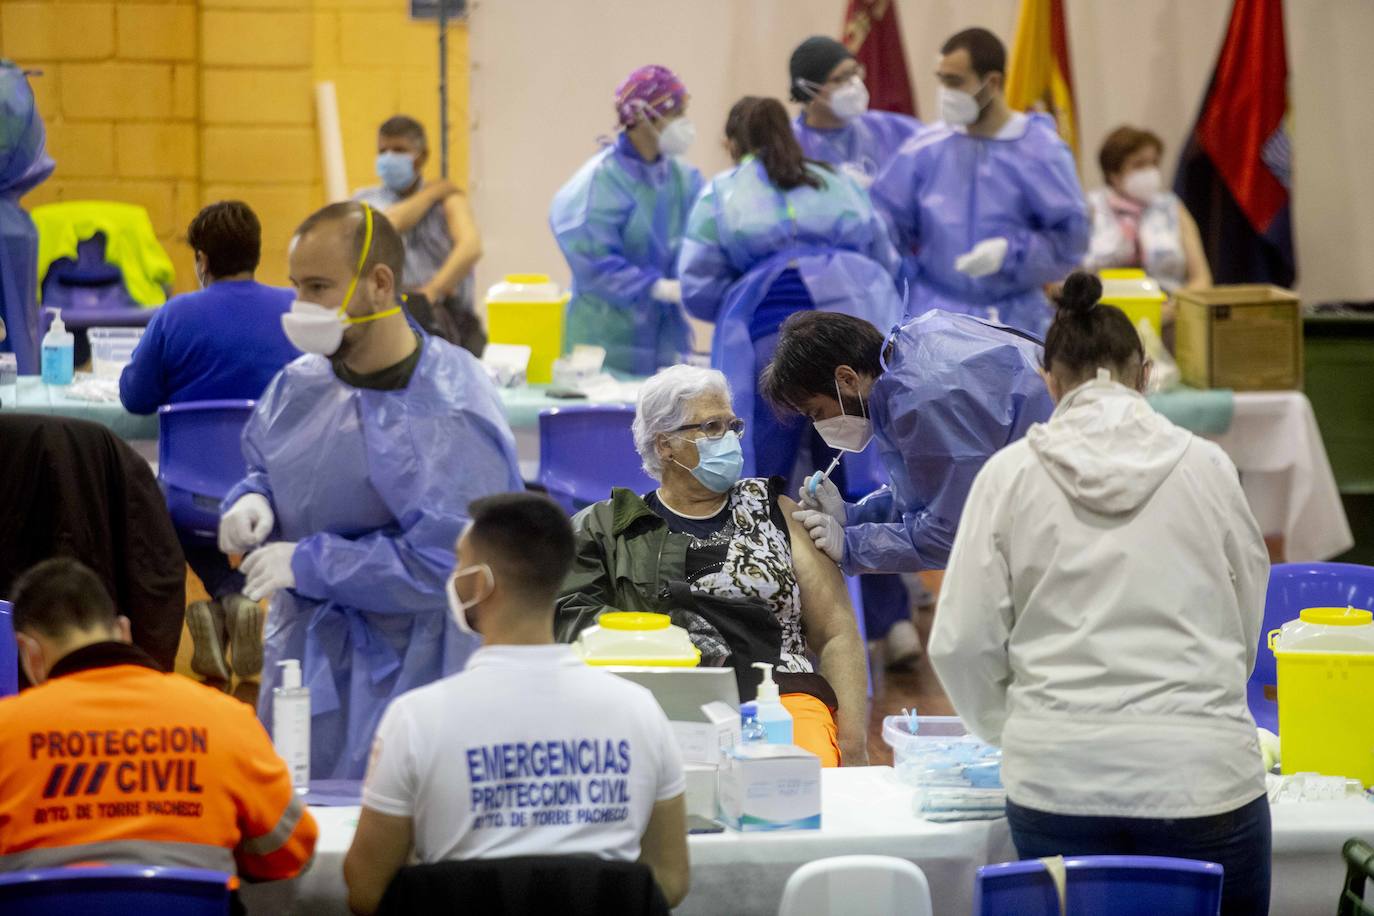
(957, 776)
(528, 309)
(770, 787)
(1129, 289)
(637, 639)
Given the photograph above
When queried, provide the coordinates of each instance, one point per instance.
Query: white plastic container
(1327, 630)
(291, 724)
(637, 640)
(772, 715)
(112, 349)
(941, 752)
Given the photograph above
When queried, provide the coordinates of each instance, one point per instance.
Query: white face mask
(457, 607)
(850, 100)
(677, 137)
(1143, 184)
(313, 328)
(959, 108)
(846, 433)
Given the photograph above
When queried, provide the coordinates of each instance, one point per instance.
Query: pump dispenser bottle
(776, 720)
(291, 723)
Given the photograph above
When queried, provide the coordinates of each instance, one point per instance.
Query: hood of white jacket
(1106, 447)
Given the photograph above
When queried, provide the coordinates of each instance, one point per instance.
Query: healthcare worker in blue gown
(775, 235)
(835, 125)
(940, 395)
(24, 165)
(619, 223)
(989, 200)
(362, 458)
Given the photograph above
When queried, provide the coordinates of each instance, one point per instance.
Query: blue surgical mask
(397, 170)
(719, 462)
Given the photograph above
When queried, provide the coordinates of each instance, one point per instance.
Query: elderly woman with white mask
(724, 556)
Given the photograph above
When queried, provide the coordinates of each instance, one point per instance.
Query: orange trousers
(813, 727)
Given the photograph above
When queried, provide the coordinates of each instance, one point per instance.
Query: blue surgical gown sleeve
(1059, 229)
(256, 480)
(589, 225)
(704, 266)
(894, 196)
(142, 384)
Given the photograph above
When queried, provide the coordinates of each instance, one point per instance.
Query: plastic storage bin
(1130, 290)
(942, 752)
(637, 640)
(528, 309)
(1325, 662)
(111, 349)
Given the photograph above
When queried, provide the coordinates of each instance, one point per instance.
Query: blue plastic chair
(1101, 886)
(9, 652)
(116, 890)
(586, 449)
(90, 291)
(199, 459)
(1293, 587)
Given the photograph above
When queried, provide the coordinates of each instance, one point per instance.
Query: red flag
(872, 35)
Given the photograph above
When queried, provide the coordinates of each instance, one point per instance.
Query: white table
(1277, 447)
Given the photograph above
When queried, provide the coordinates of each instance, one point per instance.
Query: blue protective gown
(24, 165)
(374, 487)
(863, 147)
(954, 390)
(946, 191)
(744, 232)
(619, 223)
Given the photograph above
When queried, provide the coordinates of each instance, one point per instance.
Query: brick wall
(178, 103)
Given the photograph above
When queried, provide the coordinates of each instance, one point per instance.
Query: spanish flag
(872, 35)
(1041, 78)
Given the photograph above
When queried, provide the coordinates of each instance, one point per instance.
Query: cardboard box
(770, 787)
(706, 742)
(1248, 338)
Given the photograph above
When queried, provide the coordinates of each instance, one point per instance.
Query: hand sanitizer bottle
(777, 721)
(291, 723)
(59, 349)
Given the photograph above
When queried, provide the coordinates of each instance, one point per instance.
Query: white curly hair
(664, 404)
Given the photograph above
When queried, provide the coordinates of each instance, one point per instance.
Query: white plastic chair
(857, 886)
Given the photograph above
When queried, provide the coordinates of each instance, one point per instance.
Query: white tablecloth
(1277, 447)
(866, 811)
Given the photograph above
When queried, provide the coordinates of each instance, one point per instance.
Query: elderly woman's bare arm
(830, 630)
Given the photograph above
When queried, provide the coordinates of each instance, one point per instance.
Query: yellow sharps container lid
(1336, 616)
(633, 620)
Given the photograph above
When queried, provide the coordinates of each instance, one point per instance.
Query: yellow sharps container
(1326, 692)
(637, 639)
(528, 309)
(1130, 290)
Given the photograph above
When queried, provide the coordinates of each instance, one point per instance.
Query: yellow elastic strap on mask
(357, 275)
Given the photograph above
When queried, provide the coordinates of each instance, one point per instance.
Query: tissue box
(770, 787)
(706, 742)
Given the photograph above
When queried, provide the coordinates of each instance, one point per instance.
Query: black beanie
(812, 61)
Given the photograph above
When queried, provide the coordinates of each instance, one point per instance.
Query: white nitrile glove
(982, 259)
(268, 569)
(665, 290)
(821, 494)
(246, 525)
(825, 531)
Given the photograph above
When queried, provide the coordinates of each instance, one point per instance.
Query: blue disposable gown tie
(945, 192)
(24, 165)
(954, 390)
(374, 487)
(744, 232)
(619, 223)
(863, 147)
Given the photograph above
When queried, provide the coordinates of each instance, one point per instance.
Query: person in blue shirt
(222, 342)
(619, 224)
(988, 200)
(835, 125)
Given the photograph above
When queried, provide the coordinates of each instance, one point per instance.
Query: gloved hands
(246, 525)
(268, 569)
(825, 498)
(665, 290)
(825, 530)
(982, 259)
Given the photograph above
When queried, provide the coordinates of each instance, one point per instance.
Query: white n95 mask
(1143, 184)
(677, 137)
(846, 433)
(457, 607)
(957, 107)
(850, 100)
(313, 328)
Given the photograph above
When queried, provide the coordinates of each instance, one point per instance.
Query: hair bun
(1081, 292)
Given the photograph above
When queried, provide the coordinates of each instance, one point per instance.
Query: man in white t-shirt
(528, 751)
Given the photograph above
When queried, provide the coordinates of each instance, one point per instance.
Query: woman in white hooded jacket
(1100, 616)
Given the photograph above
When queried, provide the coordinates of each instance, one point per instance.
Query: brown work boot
(245, 634)
(205, 620)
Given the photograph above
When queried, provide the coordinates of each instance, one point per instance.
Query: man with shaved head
(362, 458)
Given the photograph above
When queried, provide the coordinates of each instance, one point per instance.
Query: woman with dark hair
(1100, 617)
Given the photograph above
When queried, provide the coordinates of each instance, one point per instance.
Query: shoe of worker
(902, 646)
(205, 620)
(245, 634)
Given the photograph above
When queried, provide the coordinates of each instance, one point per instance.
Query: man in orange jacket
(109, 759)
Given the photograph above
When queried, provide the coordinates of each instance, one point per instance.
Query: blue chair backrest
(1295, 586)
(1102, 885)
(199, 446)
(586, 449)
(9, 652)
(116, 890)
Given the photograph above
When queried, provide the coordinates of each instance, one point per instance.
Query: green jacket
(625, 555)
